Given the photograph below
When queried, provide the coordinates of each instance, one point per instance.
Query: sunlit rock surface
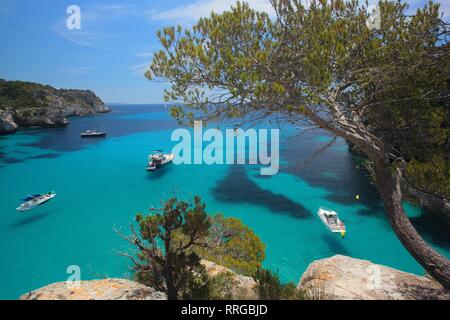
(345, 278)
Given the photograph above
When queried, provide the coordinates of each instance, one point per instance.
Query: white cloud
(78, 70)
(114, 7)
(91, 17)
(203, 8)
(140, 69)
(80, 37)
(144, 54)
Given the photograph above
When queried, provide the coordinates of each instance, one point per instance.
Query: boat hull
(31, 205)
(93, 135)
(160, 166)
(336, 226)
(154, 167)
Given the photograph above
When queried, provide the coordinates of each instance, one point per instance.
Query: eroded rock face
(25, 104)
(345, 278)
(107, 289)
(121, 289)
(7, 123)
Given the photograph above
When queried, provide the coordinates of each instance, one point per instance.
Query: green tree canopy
(321, 64)
(233, 245)
(162, 262)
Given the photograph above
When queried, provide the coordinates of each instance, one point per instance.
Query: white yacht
(35, 200)
(331, 220)
(159, 159)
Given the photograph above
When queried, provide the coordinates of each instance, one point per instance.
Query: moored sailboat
(93, 134)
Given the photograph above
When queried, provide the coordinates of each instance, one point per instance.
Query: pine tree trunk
(172, 293)
(434, 263)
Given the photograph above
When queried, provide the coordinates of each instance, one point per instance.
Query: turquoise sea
(103, 183)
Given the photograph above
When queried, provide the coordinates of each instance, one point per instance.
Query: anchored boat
(93, 134)
(331, 220)
(36, 200)
(159, 159)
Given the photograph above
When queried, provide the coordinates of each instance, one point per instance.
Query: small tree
(270, 287)
(233, 245)
(162, 262)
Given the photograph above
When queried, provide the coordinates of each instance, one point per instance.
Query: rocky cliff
(7, 123)
(24, 104)
(107, 289)
(335, 278)
(241, 287)
(345, 278)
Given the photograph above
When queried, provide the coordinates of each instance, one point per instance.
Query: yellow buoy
(343, 234)
(357, 197)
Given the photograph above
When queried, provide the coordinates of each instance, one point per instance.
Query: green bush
(233, 245)
(270, 287)
(432, 176)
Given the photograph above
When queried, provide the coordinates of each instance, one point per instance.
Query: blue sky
(111, 51)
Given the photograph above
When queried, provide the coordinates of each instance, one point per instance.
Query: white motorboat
(35, 201)
(331, 220)
(158, 159)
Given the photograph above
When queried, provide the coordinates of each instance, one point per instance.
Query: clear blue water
(102, 184)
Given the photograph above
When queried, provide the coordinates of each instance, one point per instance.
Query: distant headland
(28, 104)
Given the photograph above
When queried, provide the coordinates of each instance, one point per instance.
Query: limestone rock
(244, 287)
(107, 289)
(345, 278)
(7, 123)
(28, 104)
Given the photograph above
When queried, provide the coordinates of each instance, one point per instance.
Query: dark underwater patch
(10, 160)
(335, 244)
(238, 188)
(24, 221)
(345, 178)
(433, 227)
(44, 156)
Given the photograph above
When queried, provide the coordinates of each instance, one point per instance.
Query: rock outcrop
(242, 287)
(345, 278)
(25, 104)
(338, 278)
(7, 124)
(107, 289)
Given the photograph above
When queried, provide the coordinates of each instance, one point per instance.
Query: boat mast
(99, 120)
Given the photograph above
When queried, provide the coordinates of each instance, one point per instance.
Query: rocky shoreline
(26, 104)
(335, 278)
(345, 278)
